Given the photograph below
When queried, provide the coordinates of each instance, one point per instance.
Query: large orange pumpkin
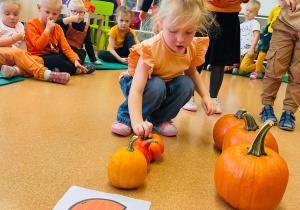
(243, 135)
(224, 124)
(127, 168)
(254, 177)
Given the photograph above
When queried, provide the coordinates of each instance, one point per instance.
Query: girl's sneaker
(254, 75)
(9, 71)
(166, 128)
(121, 129)
(191, 105)
(90, 67)
(218, 105)
(59, 77)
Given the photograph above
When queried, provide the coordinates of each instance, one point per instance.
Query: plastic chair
(106, 9)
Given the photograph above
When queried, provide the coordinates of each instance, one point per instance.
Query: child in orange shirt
(121, 38)
(46, 39)
(16, 61)
(162, 73)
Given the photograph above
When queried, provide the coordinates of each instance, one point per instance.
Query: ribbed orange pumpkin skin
(238, 135)
(250, 182)
(126, 169)
(157, 150)
(222, 126)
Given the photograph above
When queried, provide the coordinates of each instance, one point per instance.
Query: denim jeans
(161, 101)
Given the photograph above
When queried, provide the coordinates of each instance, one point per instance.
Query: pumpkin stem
(130, 145)
(250, 124)
(257, 148)
(239, 113)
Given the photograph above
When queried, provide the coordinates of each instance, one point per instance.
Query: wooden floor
(54, 136)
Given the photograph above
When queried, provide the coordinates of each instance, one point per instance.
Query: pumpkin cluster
(249, 174)
(127, 168)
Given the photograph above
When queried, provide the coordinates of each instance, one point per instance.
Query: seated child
(121, 38)
(46, 39)
(250, 34)
(162, 73)
(77, 32)
(264, 42)
(16, 61)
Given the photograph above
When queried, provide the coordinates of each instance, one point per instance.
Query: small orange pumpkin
(252, 178)
(224, 124)
(243, 135)
(143, 146)
(127, 168)
(157, 149)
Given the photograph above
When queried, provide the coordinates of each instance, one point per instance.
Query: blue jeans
(161, 101)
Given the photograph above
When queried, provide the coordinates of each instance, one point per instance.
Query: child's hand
(18, 36)
(75, 18)
(291, 3)
(50, 24)
(124, 60)
(250, 53)
(143, 129)
(143, 16)
(97, 62)
(82, 68)
(208, 106)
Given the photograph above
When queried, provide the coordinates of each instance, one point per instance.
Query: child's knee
(129, 35)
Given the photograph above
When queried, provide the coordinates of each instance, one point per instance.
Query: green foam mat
(107, 65)
(6, 81)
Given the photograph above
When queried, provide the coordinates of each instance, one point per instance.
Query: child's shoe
(166, 128)
(287, 121)
(90, 67)
(121, 129)
(218, 105)
(59, 77)
(267, 113)
(191, 105)
(254, 75)
(9, 71)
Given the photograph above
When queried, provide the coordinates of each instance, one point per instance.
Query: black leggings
(62, 62)
(123, 52)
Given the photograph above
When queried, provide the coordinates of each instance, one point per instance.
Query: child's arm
(254, 43)
(207, 103)
(136, 40)
(114, 53)
(15, 37)
(139, 126)
(72, 19)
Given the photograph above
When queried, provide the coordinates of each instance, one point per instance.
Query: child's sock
(47, 74)
(9, 71)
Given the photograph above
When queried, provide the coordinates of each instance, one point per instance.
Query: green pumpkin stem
(250, 124)
(130, 145)
(239, 113)
(257, 148)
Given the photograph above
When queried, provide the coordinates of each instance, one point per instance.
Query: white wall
(266, 7)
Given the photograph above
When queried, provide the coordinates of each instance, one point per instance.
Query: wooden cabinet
(29, 10)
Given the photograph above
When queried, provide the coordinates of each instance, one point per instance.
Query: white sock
(47, 74)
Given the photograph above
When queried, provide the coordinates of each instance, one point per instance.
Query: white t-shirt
(8, 31)
(247, 35)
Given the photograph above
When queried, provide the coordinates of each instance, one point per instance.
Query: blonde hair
(255, 4)
(2, 2)
(124, 10)
(184, 13)
(75, 3)
(57, 3)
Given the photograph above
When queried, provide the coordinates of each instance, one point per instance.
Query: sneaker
(208, 68)
(166, 128)
(90, 67)
(9, 71)
(59, 77)
(121, 129)
(191, 105)
(235, 70)
(287, 121)
(267, 113)
(254, 75)
(218, 105)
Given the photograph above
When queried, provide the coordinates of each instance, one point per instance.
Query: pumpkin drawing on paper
(97, 204)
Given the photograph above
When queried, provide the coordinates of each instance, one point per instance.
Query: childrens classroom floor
(54, 136)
